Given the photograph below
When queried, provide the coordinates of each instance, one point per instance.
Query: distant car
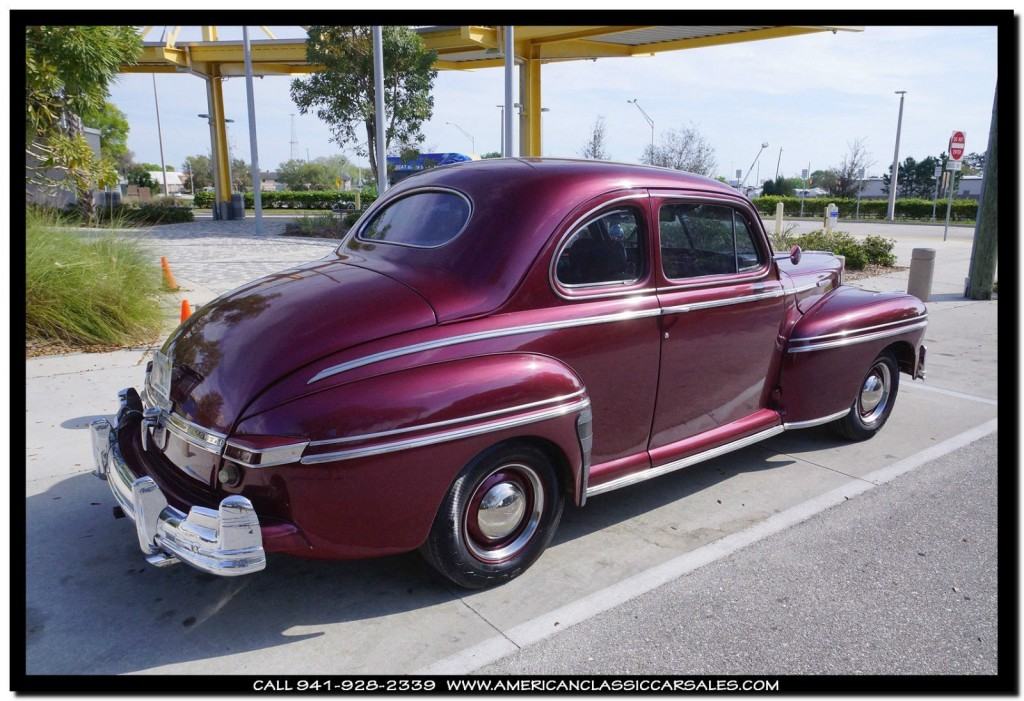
(490, 340)
(343, 206)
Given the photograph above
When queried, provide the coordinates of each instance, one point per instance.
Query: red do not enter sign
(957, 142)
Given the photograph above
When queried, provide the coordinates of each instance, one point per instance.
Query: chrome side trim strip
(446, 436)
(727, 301)
(846, 333)
(480, 336)
(816, 422)
(448, 422)
(653, 472)
(858, 339)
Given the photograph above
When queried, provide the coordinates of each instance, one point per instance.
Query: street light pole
(894, 176)
(159, 134)
(471, 138)
(649, 121)
(764, 145)
(778, 163)
(378, 102)
(510, 61)
(257, 199)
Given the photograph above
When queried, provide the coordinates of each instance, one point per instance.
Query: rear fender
(831, 348)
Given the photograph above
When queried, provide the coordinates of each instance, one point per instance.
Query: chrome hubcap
(501, 510)
(504, 513)
(874, 393)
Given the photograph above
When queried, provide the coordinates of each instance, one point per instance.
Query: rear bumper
(225, 541)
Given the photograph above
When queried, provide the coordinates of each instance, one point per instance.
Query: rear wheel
(497, 518)
(874, 402)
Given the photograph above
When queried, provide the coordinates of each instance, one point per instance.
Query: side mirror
(795, 254)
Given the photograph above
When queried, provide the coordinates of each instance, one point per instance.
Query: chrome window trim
(908, 320)
(446, 436)
(628, 315)
(727, 301)
(448, 422)
(674, 465)
(563, 241)
(810, 423)
(858, 339)
(723, 278)
(401, 196)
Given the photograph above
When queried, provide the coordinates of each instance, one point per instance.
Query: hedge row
(869, 209)
(290, 199)
(144, 213)
(874, 250)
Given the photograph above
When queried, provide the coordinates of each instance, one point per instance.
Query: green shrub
(879, 250)
(869, 209)
(291, 199)
(145, 213)
(319, 226)
(86, 292)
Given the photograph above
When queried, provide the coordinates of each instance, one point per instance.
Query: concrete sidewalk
(94, 606)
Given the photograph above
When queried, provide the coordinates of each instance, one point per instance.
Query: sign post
(938, 175)
(957, 144)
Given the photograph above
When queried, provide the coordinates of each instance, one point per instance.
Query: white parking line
(950, 392)
(560, 619)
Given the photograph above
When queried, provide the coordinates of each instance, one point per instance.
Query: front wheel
(497, 518)
(874, 402)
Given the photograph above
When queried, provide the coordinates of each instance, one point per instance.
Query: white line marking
(950, 392)
(544, 626)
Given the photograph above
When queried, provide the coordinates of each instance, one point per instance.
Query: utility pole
(983, 251)
(510, 62)
(159, 134)
(778, 163)
(257, 199)
(294, 143)
(895, 161)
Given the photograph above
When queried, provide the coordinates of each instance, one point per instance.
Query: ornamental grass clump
(83, 293)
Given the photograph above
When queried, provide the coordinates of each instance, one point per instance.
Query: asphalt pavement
(898, 580)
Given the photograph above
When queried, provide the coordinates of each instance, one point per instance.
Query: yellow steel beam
(530, 98)
(263, 68)
(220, 133)
(266, 30)
(721, 39)
(582, 48)
(443, 65)
(486, 37)
(209, 34)
(262, 51)
(160, 55)
(546, 35)
(148, 68)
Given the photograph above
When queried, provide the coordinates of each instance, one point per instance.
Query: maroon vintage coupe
(492, 339)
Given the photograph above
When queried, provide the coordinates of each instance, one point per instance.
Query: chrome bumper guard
(226, 541)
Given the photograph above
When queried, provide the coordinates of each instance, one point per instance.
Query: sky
(809, 95)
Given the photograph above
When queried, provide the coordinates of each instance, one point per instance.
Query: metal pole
(159, 134)
(510, 62)
(257, 199)
(949, 202)
(778, 163)
(895, 161)
(501, 144)
(938, 174)
(378, 107)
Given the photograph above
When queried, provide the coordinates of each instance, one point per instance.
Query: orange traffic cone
(186, 310)
(169, 282)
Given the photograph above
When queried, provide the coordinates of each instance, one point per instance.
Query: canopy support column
(219, 133)
(530, 118)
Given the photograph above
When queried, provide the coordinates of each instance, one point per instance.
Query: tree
(139, 175)
(319, 174)
(825, 179)
(782, 186)
(200, 170)
(595, 147)
(113, 126)
(916, 178)
(67, 73)
(849, 173)
(974, 164)
(682, 149)
(491, 154)
(241, 175)
(342, 94)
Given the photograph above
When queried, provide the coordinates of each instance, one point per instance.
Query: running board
(653, 472)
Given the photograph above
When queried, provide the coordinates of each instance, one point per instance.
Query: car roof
(518, 204)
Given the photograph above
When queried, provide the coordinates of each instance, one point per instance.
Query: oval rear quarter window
(421, 219)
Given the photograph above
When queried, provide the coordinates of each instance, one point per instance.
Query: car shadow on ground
(95, 607)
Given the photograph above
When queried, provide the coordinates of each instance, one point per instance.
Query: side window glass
(748, 256)
(697, 240)
(604, 250)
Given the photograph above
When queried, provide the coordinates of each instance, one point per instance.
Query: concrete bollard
(779, 209)
(922, 268)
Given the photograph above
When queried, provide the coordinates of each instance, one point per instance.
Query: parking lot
(95, 606)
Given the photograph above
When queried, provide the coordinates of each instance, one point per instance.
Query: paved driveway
(94, 606)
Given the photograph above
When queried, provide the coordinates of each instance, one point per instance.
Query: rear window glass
(423, 219)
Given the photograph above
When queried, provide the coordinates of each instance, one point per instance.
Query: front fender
(831, 348)
(384, 450)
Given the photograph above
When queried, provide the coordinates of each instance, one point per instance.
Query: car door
(722, 308)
